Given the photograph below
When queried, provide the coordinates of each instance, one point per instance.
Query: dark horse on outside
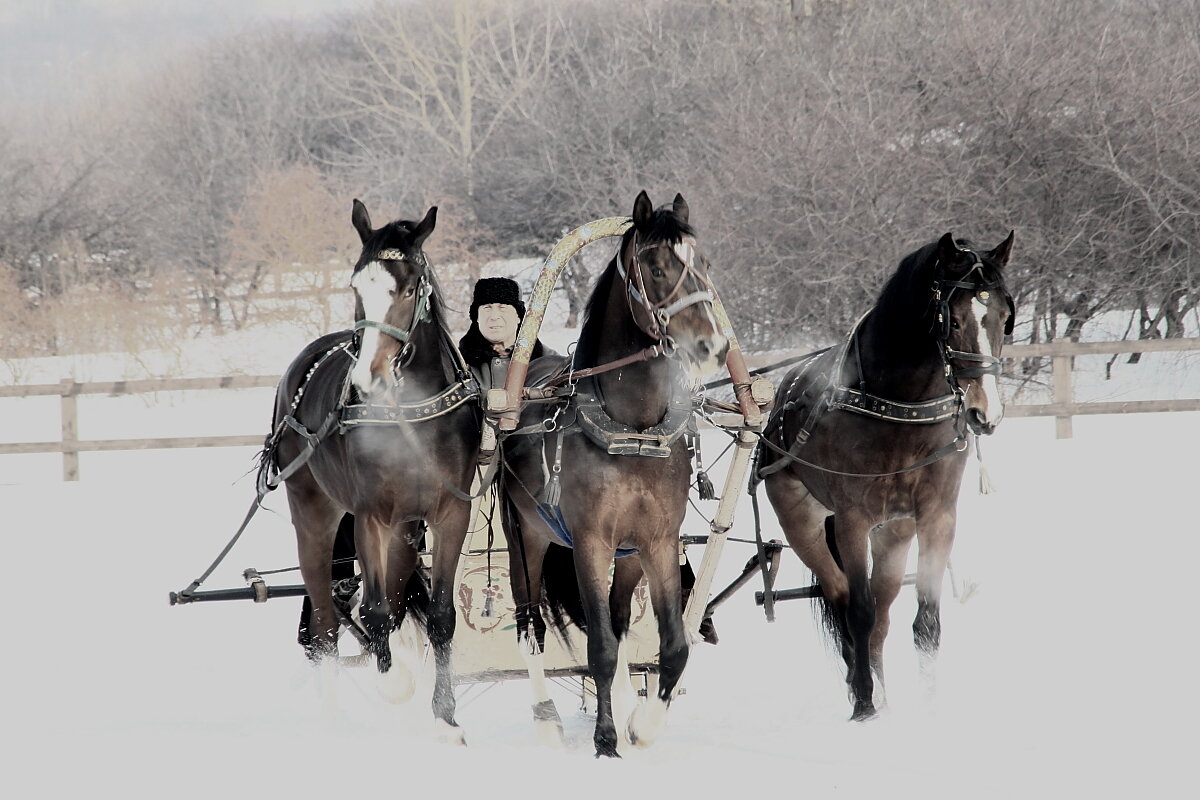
(866, 446)
(614, 475)
(392, 411)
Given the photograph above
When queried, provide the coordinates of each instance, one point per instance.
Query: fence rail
(69, 390)
(1062, 407)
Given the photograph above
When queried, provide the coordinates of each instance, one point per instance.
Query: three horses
(863, 453)
(865, 448)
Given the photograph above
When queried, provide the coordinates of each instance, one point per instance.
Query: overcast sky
(47, 46)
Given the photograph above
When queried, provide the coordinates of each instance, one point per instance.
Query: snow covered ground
(1065, 666)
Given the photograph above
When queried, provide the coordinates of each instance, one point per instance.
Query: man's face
(498, 323)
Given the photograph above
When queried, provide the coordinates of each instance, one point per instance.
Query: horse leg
(372, 540)
(662, 571)
(397, 685)
(627, 573)
(448, 536)
(935, 537)
(851, 535)
(592, 560)
(315, 520)
(889, 556)
(342, 568)
(804, 520)
(525, 564)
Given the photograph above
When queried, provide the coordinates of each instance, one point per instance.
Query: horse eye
(657, 272)
(409, 291)
(954, 324)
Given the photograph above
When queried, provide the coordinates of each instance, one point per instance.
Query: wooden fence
(71, 445)
(1062, 406)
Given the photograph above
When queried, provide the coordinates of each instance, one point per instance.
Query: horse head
(973, 313)
(392, 295)
(668, 287)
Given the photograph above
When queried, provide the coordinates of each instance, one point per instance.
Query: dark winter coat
(490, 367)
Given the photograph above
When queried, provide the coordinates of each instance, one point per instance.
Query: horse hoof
(548, 724)
(396, 685)
(863, 712)
(550, 734)
(646, 723)
(607, 750)
(449, 734)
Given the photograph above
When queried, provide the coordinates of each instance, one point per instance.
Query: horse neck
(638, 393)
(899, 357)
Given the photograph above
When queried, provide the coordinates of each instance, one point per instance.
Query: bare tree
(449, 73)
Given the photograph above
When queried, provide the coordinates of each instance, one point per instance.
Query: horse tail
(833, 621)
(560, 589)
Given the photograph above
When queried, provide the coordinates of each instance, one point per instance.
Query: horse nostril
(978, 423)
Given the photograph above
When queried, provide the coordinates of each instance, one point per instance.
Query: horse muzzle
(980, 423)
(705, 355)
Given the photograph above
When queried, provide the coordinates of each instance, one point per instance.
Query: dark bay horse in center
(865, 448)
(382, 423)
(612, 475)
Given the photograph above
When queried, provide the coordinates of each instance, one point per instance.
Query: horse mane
(908, 288)
(664, 226)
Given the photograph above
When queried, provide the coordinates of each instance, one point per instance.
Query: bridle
(943, 292)
(421, 312)
(653, 318)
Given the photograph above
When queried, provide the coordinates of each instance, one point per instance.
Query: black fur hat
(496, 290)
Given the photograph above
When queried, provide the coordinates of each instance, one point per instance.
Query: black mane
(907, 297)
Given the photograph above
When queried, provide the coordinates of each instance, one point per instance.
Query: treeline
(816, 142)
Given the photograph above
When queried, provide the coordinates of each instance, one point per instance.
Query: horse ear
(680, 208)
(946, 246)
(361, 220)
(425, 226)
(642, 210)
(1003, 250)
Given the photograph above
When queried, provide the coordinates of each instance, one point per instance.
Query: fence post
(1060, 372)
(69, 391)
